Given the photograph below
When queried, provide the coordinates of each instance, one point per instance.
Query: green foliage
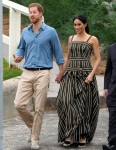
(10, 72)
(101, 16)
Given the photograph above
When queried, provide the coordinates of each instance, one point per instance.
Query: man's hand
(60, 74)
(17, 59)
(105, 93)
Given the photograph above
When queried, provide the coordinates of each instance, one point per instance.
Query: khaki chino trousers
(32, 82)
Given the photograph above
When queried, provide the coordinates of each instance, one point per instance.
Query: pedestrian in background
(110, 95)
(38, 44)
(78, 98)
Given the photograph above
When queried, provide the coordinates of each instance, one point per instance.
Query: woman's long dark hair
(83, 19)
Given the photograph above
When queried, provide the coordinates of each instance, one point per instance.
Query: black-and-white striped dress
(78, 102)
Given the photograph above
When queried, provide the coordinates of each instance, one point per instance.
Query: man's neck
(37, 26)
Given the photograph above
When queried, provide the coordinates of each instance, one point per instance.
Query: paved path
(15, 133)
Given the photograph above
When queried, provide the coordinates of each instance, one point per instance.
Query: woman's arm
(95, 44)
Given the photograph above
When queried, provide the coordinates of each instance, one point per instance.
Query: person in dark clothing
(110, 94)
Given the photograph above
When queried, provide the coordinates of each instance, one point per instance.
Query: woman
(78, 98)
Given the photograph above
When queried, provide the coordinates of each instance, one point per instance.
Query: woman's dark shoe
(81, 144)
(67, 143)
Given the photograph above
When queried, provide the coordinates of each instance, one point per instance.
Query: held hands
(17, 59)
(59, 77)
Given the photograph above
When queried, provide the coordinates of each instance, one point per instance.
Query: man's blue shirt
(39, 49)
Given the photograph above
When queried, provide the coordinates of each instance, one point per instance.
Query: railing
(1, 83)
(15, 11)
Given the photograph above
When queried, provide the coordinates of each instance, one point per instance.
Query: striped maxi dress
(78, 102)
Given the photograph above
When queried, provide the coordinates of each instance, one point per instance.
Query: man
(38, 43)
(110, 94)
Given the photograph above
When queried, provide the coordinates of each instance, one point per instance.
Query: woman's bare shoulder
(94, 38)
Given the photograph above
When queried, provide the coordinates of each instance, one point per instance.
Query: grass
(9, 73)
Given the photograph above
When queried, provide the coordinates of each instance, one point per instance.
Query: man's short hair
(39, 7)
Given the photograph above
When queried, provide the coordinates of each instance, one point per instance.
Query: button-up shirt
(39, 48)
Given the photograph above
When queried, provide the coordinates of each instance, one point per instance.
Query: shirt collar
(43, 26)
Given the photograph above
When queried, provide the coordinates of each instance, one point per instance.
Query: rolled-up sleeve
(21, 47)
(57, 49)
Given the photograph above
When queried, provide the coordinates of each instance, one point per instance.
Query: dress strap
(72, 38)
(89, 38)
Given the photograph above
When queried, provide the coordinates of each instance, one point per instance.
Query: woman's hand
(89, 78)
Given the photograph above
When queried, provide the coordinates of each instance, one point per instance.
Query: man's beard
(34, 21)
